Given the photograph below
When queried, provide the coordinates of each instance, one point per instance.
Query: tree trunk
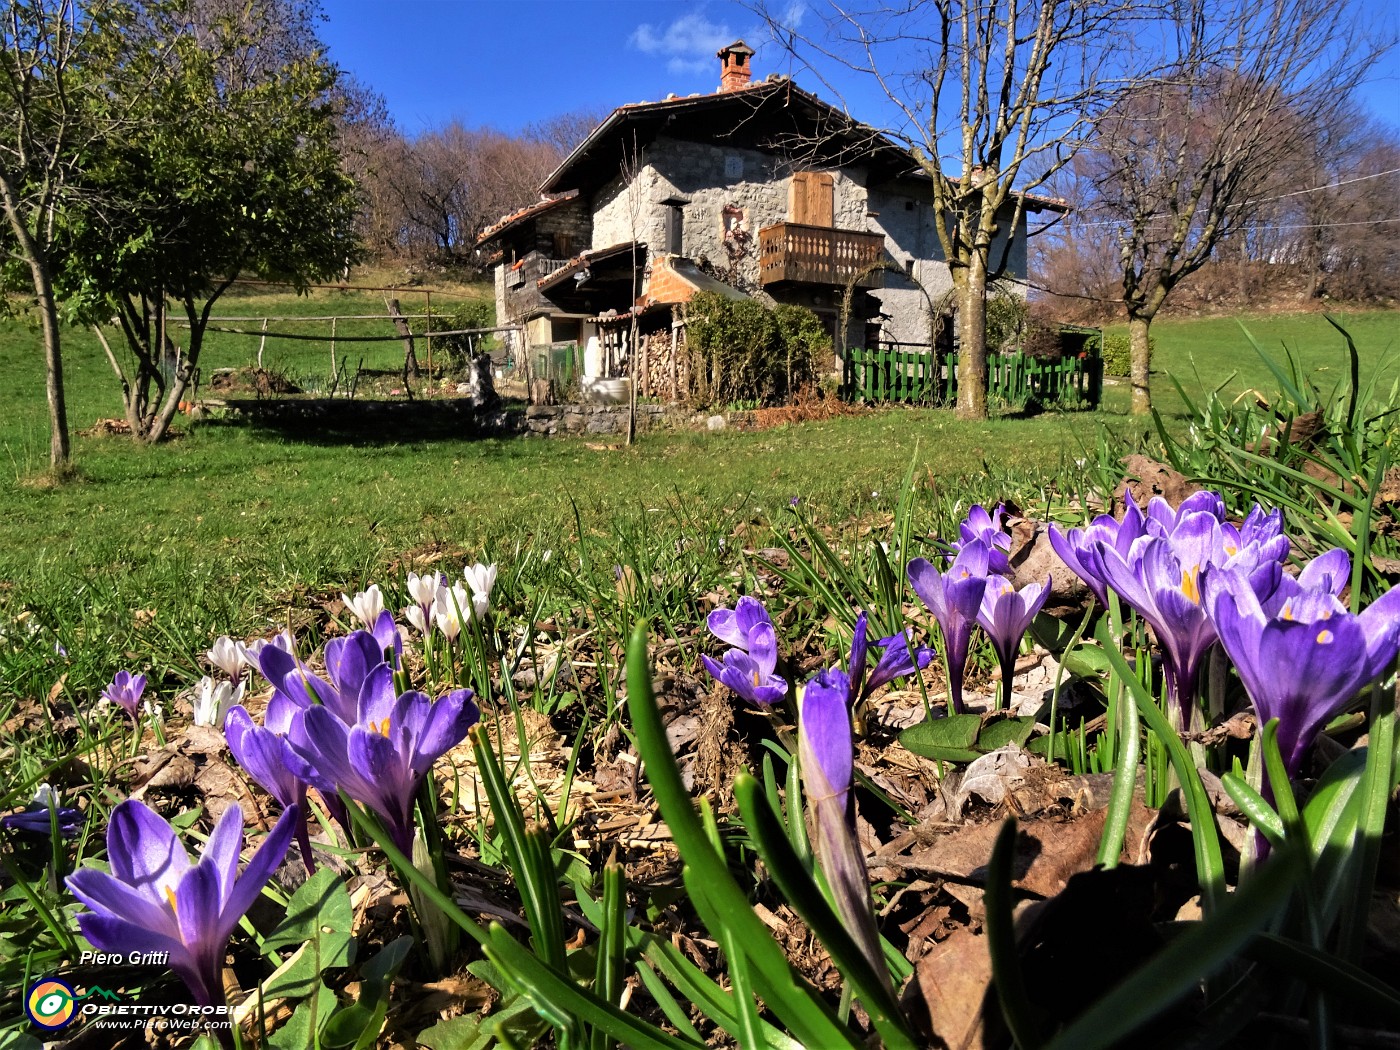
(60, 449)
(972, 341)
(184, 372)
(1139, 337)
(410, 359)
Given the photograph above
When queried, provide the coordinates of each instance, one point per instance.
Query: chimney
(734, 66)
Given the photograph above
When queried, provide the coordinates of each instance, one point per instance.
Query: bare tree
(995, 96)
(1179, 161)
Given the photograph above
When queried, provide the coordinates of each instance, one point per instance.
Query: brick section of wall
(666, 286)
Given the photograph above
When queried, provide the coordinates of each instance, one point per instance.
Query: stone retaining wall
(462, 416)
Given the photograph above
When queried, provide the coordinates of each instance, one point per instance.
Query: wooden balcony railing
(789, 251)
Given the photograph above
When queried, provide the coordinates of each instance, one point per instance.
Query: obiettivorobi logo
(49, 1003)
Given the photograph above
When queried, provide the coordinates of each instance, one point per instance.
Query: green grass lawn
(222, 527)
(1209, 352)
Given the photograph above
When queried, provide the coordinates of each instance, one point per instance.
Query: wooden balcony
(789, 251)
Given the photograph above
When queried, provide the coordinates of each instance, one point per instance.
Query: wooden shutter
(811, 199)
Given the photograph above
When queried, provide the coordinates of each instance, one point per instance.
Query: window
(563, 245)
(675, 229)
(810, 202)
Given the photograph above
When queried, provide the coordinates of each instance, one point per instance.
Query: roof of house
(769, 114)
(530, 211)
(772, 114)
(585, 262)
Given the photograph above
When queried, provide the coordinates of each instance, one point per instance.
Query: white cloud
(792, 17)
(688, 44)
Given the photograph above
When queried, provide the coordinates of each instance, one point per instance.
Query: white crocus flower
(423, 589)
(419, 620)
(282, 640)
(228, 656)
(480, 578)
(212, 701)
(45, 797)
(366, 606)
(450, 607)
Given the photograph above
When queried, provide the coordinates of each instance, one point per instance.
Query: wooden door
(811, 199)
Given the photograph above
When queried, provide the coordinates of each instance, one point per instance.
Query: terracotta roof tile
(521, 214)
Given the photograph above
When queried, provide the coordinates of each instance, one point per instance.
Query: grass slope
(1209, 352)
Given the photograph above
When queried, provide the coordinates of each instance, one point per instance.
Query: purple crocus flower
(37, 818)
(349, 662)
(827, 758)
(896, 661)
(751, 674)
(981, 527)
(265, 755)
(733, 626)
(1304, 660)
(125, 691)
(1076, 547)
(1005, 615)
(382, 757)
(954, 597)
(156, 900)
(1329, 572)
(1159, 575)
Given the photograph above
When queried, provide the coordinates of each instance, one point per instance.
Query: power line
(1315, 189)
(1251, 227)
(1281, 196)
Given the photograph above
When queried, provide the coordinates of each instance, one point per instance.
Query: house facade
(759, 189)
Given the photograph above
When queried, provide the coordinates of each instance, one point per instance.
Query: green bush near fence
(474, 313)
(1118, 353)
(742, 351)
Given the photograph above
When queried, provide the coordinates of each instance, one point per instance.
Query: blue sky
(507, 63)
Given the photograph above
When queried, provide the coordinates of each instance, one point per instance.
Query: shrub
(741, 351)
(1041, 342)
(474, 313)
(1006, 321)
(1118, 353)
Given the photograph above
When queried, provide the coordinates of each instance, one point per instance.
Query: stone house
(759, 189)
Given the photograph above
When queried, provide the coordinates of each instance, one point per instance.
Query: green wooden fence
(921, 377)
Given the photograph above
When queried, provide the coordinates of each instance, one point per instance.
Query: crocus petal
(108, 895)
(376, 697)
(733, 626)
(266, 757)
(448, 719)
(386, 635)
(143, 850)
(896, 661)
(1380, 622)
(222, 849)
(763, 647)
(824, 736)
(265, 861)
(1330, 572)
(111, 933)
(855, 663)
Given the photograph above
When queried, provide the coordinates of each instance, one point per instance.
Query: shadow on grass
(367, 422)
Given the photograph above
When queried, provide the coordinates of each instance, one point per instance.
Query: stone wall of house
(715, 182)
(718, 182)
(905, 215)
